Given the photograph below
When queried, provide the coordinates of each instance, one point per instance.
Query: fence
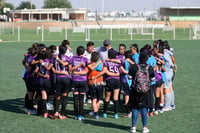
(92, 31)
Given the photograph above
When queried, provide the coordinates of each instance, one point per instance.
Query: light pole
(31, 9)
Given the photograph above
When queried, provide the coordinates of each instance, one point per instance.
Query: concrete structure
(55, 14)
(181, 13)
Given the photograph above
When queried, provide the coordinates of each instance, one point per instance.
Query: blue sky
(120, 5)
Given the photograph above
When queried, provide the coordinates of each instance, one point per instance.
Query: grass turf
(185, 118)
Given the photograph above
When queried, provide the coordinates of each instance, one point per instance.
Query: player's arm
(64, 63)
(100, 74)
(93, 66)
(84, 72)
(59, 72)
(123, 70)
(76, 67)
(114, 60)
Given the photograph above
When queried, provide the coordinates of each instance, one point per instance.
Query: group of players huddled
(55, 71)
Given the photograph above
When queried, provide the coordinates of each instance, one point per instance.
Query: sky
(120, 5)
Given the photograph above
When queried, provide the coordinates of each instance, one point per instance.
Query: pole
(31, 9)
(18, 33)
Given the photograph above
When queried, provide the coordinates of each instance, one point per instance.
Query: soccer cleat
(30, 111)
(145, 130)
(173, 107)
(56, 114)
(91, 113)
(76, 117)
(104, 115)
(156, 112)
(116, 116)
(161, 111)
(96, 117)
(167, 109)
(80, 117)
(151, 114)
(133, 129)
(46, 115)
(61, 117)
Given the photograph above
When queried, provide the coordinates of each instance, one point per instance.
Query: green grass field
(184, 119)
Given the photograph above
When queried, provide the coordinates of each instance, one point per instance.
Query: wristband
(57, 58)
(42, 63)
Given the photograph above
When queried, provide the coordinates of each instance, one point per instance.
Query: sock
(39, 107)
(31, 104)
(168, 100)
(81, 98)
(172, 97)
(157, 103)
(64, 103)
(57, 104)
(44, 105)
(95, 113)
(116, 106)
(76, 105)
(127, 109)
(105, 106)
(26, 101)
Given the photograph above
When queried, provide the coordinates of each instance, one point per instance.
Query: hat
(106, 42)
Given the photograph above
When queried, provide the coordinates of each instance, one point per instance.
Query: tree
(6, 5)
(57, 4)
(25, 4)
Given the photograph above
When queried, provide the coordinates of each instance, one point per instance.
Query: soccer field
(184, 119)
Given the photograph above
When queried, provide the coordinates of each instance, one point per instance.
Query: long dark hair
(94, 57)
(62, 50)
(143, 56)
(111, 53)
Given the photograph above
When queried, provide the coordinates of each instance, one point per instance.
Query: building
(181, 13)
(55, 14)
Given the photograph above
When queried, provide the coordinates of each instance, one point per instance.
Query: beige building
(55, 14)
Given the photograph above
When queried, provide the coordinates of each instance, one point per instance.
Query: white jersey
(68, 52)
(103, 53)
(87, 55)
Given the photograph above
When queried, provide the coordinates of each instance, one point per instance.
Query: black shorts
(29, 84)
(159, 83)
(96, 92)
(44, 85)
(112, 84)
(126, 89)
(63, 85)
(80, 86)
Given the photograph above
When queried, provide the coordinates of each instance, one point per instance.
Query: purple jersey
(75, 61)
(120, 56)
(112, 67)
(42, 70)
(60, 67)
(29, 58)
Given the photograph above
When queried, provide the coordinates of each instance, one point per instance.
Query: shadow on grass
(12, 105)
(106, 125)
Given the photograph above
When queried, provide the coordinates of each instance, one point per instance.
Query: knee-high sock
(63, 103)
(81, 98)
(168, 100)
(76, 105)
(56, 104)
(116, 106)
(44, 105)
(172, 97)
(157, 103)
(105, 107)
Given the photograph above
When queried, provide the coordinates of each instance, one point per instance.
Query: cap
(106, 42)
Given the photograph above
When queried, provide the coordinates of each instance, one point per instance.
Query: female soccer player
(63, 82)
